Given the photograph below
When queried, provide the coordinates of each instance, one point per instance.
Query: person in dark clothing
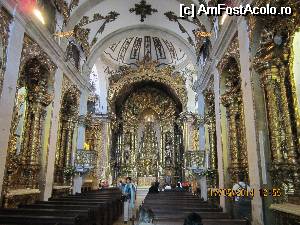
(153, 189)
(179, 188)
(193, 219)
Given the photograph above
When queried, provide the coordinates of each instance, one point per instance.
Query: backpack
(244, 199)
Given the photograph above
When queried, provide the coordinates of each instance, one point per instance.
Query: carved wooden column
(269, 79)
(69, 145)
(272, 63)
(229, 102)
(211, 124)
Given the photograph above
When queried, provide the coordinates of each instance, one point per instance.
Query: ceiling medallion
(143, 9)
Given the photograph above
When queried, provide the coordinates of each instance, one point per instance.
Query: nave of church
(95, 91)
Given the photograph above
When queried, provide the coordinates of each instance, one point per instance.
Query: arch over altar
(146, 138)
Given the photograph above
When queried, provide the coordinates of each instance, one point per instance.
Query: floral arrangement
(69, 171)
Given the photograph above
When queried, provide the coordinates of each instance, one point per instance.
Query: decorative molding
(81, 34)
(147, 71)
(64, 9)
(143, 9)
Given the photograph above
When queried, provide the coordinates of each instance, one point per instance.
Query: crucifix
(143, 9)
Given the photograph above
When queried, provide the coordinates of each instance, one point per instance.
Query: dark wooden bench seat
(174, 207)
(99, 208)
(96, 208)
(38, 220)
(112, 208)
(205, 222)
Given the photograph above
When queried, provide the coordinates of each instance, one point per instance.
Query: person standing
(241, 205)
(153, 189)
(129, 193)
(121, 185)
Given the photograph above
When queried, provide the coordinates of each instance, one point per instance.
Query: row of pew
(102, 207)
(171, 208)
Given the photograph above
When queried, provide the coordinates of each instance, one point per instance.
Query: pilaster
(49, 176)
(7, 99)
(219, 135)
(249, 113)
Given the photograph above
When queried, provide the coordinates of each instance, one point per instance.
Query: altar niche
(148, 141)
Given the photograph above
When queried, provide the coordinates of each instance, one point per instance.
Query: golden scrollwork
(93, 138)
(190, 123)
(212, 138)
(232, 52)
(68, 121)
(5, 20)
(32, 98)
(158, 110)
(31, 50)
(232, 100)
(147, 71)
(273, 64)
(65, 9)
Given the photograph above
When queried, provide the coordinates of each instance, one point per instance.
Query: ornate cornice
(31, 50)
(231, 52)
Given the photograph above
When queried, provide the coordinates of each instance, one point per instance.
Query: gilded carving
(68, 121)
(212, 138)
(81, 34)
(32, 98)
(148, 118)
(65, 9)
(231, 52)
(272, 62)
(91, 154)
(232, 100)
(147, 71)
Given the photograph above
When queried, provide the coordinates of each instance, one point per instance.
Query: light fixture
(225, 15)
(39, 15)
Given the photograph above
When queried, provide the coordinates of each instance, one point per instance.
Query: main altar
(151, 129)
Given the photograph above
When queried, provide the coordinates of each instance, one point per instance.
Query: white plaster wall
(296, 65)
(7, 98)
(102, 85)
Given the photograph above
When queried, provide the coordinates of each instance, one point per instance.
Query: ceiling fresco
(131, 50)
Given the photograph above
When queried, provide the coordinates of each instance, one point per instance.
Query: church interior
(94, 91)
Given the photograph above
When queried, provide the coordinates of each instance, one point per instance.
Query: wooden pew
(95, 208)
(102, 210)
(18, 219)
(174, 207)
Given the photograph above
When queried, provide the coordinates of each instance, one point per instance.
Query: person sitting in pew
(193, 219)
(179, 188)
(153, 189)
(146, 217)
(168, 187)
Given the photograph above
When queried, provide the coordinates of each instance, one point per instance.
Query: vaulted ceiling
(100, 24)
